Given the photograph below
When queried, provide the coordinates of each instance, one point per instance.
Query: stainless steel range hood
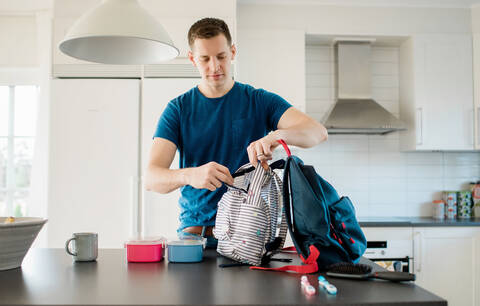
(355, 112)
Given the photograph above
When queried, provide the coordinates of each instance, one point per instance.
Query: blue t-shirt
(216, 129)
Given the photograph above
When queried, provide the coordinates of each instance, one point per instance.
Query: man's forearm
(163, 180)
(304, 135)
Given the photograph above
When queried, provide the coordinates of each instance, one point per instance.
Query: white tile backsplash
(314, 67)
(389, 209)
(383, 145)
(389, 55)
(424, 184)
(319, 80)
(390, 81)
(352, 145)
(384, 68)
(420, 209)
(461, 159)
(453, 183)
(378, 178)
(461, 171)
(393, 184)
(387, 171)
(424, 171)
(382, 181)
(424, 158)
(347, 172)
(349, 158)
(317, 92)
(385, 93)
(353, 184)
(386, 158)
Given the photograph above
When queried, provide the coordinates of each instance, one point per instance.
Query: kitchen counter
(49, 277)
(414, 222)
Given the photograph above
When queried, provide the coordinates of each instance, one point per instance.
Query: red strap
(284, 144)
(310, 266)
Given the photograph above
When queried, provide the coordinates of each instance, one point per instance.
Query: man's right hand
(209, 176)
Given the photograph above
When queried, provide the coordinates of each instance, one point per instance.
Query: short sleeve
(275, 106)
(168, 126)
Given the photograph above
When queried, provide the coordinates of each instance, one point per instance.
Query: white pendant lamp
(119, 32)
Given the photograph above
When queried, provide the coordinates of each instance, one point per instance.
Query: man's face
(213, 57)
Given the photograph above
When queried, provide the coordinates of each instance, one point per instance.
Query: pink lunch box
(145, 250)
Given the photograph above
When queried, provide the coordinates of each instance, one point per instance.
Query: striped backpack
(251, 224)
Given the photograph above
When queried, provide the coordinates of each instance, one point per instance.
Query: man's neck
(215, 92)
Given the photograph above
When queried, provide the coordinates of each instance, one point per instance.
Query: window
(18, 113)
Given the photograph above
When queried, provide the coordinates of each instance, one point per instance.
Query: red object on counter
(151, 250)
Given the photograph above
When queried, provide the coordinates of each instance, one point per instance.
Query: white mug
(85, 246)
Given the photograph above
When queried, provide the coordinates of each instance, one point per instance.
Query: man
(217, 127)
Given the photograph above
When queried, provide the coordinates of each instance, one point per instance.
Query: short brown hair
(207, 28)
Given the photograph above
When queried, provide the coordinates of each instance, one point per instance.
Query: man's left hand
(261, 150)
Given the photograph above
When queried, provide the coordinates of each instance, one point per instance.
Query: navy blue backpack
(322, 225)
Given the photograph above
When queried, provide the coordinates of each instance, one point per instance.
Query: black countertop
(414, 222)
(49, 277)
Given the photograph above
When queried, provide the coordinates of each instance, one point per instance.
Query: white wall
(381, 180)
(18, 49)
(18, 37)
(274, 60)
(476, 70)
(25, 53)
(371, 170)
(38, 193)
(328, 19)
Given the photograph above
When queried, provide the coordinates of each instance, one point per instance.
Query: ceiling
(7, 6)
(376, 40)
(376, 3)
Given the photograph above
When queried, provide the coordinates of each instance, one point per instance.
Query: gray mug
(85, 246)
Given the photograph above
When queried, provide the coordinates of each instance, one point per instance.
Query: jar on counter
(438, 208)
(464, 206)
(476, 199)
(450, 198)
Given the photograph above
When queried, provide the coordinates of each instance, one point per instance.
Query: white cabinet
(92, 159)
(436, 92)
(161, 210)
(447, 263)
(94, 155)
(476, 77)
(258, 66)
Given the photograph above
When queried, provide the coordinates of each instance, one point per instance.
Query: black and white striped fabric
(251, 217)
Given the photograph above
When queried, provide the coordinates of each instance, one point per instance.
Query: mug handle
(67, 249)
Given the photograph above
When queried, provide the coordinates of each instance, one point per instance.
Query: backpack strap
(284, 144)
(311, 265)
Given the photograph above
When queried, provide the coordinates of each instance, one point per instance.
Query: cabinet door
(444, 93)
(161, 210)
(93, 158)
(476, 73)
(262, 70)
(446, 263)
